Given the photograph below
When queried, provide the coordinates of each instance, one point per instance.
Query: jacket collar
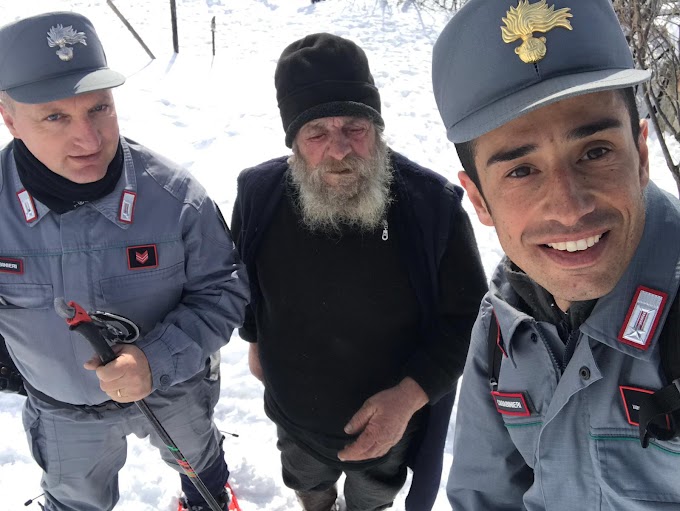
(655, 265)
(109, 206)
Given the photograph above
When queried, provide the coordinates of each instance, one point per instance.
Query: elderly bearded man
(366, 279)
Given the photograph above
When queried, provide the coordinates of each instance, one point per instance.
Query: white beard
(360, 202)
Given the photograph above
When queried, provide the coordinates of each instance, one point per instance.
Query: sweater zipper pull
(385, 233)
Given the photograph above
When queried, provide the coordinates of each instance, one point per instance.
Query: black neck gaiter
(56, 192)
(540, 304)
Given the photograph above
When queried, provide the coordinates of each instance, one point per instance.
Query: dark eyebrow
(584, 131)
(511, 154)
(590, 129)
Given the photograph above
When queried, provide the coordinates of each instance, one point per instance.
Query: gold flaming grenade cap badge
(525, 19)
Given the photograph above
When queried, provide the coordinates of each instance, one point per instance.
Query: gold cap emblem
(62, 36)
(526, 19)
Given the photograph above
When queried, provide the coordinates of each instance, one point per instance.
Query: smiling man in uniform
(571, 339)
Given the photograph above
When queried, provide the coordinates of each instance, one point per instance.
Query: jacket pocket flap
(26, 296)
(125, 287)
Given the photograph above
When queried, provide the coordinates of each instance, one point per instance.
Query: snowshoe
(228, 495)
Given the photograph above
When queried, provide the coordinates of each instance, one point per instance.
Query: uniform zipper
(570, 347)
(556, 364)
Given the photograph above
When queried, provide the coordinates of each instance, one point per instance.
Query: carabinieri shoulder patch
(643, 316)
(525, 19)
(511, 403)
(632, 399)
(8, 265)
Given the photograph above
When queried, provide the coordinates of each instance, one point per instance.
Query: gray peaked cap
(481, 83)
(53, 56)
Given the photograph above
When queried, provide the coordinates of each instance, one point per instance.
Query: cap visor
(542, 94)
(62, 87)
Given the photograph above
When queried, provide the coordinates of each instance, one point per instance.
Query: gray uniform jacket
(155, 250)
(572, 444)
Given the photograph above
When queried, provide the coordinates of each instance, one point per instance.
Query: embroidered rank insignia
(642, 318)
(632, 398)
(27, 206)
(8, 265)
(511, 403)
(525, 19)
(142, 257)
(127, 207)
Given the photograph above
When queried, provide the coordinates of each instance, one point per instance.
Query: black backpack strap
(665, 402)
(10, 378)
(495, 352)
(670, 342)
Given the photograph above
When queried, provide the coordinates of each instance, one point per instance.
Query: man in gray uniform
(98, 219)
(570, 339)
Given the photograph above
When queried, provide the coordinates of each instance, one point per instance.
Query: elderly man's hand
(382, 420)
(254, 361)
(125, 379)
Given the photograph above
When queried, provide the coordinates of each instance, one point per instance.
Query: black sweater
(337, 319)
(337, 323)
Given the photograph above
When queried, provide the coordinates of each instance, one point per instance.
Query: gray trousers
(81, 453)
(370, 489)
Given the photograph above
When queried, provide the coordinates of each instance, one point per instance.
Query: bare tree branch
(651, 28)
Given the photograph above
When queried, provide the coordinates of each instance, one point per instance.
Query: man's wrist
(413, 393)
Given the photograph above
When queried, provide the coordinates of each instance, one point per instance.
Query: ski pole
(80, 321)
(30, 501)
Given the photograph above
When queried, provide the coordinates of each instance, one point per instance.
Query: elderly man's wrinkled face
(341, 169)
(75, 137)
(563, 186)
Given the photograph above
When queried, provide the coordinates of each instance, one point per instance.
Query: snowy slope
(216, 117)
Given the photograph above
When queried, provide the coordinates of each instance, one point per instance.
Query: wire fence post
(173, 16)
(129, 27)
(212, 29)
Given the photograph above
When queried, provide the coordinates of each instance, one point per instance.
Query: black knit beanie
(323, 75)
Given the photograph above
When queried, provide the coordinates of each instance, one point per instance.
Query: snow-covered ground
(217, 116)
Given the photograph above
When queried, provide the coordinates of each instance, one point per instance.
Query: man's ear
(476, 198)
(8, 118)
(643, 150)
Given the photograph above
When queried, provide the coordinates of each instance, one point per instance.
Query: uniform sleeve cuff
(161, 364)
(434, 381)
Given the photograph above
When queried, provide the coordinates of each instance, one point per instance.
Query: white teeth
(576, 246)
